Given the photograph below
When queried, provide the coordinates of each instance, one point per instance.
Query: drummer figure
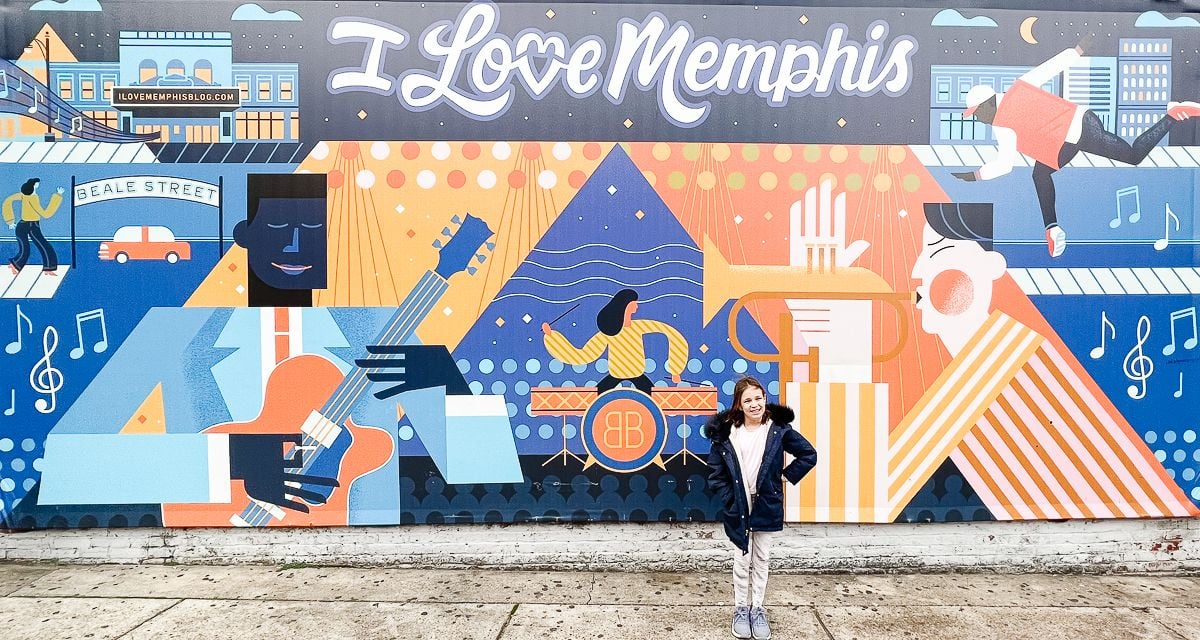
(622, 337)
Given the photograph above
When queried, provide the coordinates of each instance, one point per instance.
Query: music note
(1137, 206)
(1098, 352)
(1162, 242)
(1179, 391)
(12, 403)
(76, 124)
(1139, 367)
(37, 95)
(56, 112)
(44, 378)
(101, 344)
(15, 345)
(3, 84)
(1189, 343)
(20, 83)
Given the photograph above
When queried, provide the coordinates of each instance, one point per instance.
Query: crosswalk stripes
(31, 282)
(974, 155)
(1039, 281)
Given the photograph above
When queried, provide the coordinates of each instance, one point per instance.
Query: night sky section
(876, 119)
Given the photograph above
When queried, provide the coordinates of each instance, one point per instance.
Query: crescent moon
(1027, 29)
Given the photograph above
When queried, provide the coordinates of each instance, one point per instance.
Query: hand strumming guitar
(258, 461)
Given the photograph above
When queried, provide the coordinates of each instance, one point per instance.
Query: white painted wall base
(1109, 546)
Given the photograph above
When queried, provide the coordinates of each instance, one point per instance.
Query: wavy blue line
(591, 295)
(619, 266)
(616, 248)
(624, 284)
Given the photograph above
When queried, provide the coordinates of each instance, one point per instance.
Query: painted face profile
(286, 242)
(954, 284)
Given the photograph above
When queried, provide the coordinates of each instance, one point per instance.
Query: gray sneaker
(741, 622)
(758, 622)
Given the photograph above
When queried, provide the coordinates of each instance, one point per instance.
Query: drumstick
(698, 384)
(563, 314)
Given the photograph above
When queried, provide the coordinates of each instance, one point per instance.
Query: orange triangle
(151, 417)
(59, 51)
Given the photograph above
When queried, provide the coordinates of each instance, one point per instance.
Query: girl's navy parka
(725, 476)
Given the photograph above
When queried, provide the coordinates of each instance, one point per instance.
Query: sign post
(74, 261)
(220, 216)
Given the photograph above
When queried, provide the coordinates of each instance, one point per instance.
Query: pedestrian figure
(28, 225)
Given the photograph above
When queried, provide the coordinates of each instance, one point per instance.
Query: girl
(745, 470)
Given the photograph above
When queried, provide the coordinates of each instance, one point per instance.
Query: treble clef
(45, 378)
(1137, 366)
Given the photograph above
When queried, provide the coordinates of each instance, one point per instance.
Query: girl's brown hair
(745, 383)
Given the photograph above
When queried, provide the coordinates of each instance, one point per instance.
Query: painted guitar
(332, 445)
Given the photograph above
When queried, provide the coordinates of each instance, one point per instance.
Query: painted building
(184, 86)
(1092, 83)
(947, 100)
(1145, 75)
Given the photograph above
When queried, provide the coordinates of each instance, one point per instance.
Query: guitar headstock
(461, 245)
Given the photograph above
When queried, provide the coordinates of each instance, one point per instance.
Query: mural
(518, 254)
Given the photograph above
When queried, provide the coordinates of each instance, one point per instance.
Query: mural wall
(332, 263)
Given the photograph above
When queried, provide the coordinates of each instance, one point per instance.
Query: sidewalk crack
(139, 625)
(504, 627)
(821, 621)
(1169, 629)
(591, 588)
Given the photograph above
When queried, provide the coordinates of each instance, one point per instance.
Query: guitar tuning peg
(437, 244)
(446, 231)
(456, 220)
(491, 245)
(479, 257)
(472, 270)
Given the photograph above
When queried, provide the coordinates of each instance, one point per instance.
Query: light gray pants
(750, 570)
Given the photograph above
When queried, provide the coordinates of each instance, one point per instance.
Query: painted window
(147, 70)
(204, 71)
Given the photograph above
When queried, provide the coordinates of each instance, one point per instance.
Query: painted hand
(258, 461)
(837, 327)
(60, 191)
(413, 367)
(819, 231)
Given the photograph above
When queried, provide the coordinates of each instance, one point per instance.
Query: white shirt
(749, 445)
(1007, 154)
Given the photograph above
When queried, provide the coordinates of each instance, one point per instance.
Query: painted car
(145, 243)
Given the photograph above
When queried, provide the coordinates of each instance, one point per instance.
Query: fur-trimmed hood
(718, 427)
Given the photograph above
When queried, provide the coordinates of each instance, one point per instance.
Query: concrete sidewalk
(265, 603)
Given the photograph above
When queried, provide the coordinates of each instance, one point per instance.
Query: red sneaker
(1183, 110)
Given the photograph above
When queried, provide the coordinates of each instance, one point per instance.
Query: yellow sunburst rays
(360, 272)
(528, 211)
(894, 248)
(708, 207)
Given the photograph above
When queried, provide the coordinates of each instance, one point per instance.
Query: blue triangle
(597, 246)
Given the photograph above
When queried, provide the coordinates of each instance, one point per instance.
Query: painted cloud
(251, 11)
(66, 5)
(952, 18)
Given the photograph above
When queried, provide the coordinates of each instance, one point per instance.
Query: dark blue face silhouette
(286, 243)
